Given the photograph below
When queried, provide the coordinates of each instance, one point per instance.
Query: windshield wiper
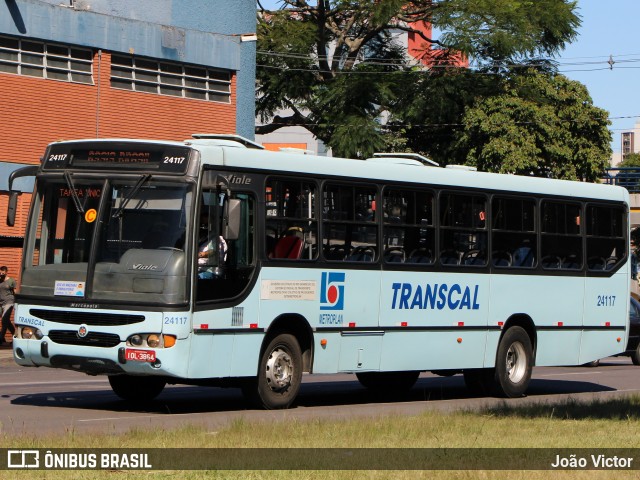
(74, 194)
(141, 181)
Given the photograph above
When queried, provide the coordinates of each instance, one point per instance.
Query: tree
(630, 160)
(541, 124)
(334, 67)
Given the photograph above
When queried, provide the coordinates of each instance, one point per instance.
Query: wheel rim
(279, 369)
(516, 362)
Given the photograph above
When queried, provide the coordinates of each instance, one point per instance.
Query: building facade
(151, 69)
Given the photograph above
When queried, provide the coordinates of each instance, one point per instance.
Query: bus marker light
(403, 324)
(501, 324)
(253, 325)
(169, 340)
(459, 340)
(619, 339)
(461, 324)
(204, 326)
(560, 324)
(352, 324)
(607, 324)
(323, 342)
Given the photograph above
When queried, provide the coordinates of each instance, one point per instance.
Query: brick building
(153, 69)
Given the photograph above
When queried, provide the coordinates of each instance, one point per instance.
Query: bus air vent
(237, 316)
(71, 317)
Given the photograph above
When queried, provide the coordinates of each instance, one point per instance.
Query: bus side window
(290, 220)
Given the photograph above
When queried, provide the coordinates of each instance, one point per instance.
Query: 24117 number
(606, 300)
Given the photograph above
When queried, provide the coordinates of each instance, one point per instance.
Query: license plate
(140, 355)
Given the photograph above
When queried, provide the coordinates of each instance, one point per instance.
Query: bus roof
(228, 152)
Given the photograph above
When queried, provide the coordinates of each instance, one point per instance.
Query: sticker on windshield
(69, 289)
(90, 215)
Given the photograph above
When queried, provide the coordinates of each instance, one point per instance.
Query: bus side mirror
(232, 219)
(12, 208)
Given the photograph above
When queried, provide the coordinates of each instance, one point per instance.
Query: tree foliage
(630, 160)
(335, 67)
(540, 124)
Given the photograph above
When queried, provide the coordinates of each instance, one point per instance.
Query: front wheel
(136, 389)
(279, 374)
(514, 363)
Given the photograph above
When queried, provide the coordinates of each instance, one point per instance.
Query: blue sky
(608, 29)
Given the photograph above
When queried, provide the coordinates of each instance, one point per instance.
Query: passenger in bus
(208, 265)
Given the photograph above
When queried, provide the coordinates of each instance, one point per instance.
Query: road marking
(565, 374)
(63, 382)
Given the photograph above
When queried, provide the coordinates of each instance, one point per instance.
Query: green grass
(606, 424)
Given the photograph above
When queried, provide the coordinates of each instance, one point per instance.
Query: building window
(175, 79)
(45, 60)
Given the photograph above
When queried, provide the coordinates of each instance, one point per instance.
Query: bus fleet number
(606, 300)
(177, 160)
(175, 320)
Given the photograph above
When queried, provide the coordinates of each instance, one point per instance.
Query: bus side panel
(211, 355)
(445, 317)
(606, 311)
(331, 301)
(554, 304)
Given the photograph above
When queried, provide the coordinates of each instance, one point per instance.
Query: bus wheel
(279, 374)
(388, 381)
(514, 362)
(635, 355)
(136, 389)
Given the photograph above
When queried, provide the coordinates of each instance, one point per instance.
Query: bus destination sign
(112, 156)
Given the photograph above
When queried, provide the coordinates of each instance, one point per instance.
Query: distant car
(633, 345)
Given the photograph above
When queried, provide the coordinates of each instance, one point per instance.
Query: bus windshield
(108, 240)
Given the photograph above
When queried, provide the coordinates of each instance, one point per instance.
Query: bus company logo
(332, 291)
(82, 331)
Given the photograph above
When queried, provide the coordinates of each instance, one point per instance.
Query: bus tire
(388, 381)
(635, 355)
(514, 362)
(279, 374)
(136, 389)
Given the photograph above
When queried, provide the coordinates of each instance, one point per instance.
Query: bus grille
(90, 318)
(93, 339)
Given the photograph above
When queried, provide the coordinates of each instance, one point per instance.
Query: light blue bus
(215, 262)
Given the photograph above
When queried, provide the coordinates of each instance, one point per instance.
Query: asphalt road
(57, 401)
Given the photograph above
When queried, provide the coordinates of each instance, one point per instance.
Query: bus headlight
(30, 332)
(151, 340)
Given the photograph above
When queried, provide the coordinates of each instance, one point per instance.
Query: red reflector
(560, 324)
(253, 325)
(204, 326)
(403, 324)
(461, 324)
(352, 324)
(607, 324)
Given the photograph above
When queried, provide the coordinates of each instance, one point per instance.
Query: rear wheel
(136, 389)
(514, 363)
(388, 381)
(279, 374)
